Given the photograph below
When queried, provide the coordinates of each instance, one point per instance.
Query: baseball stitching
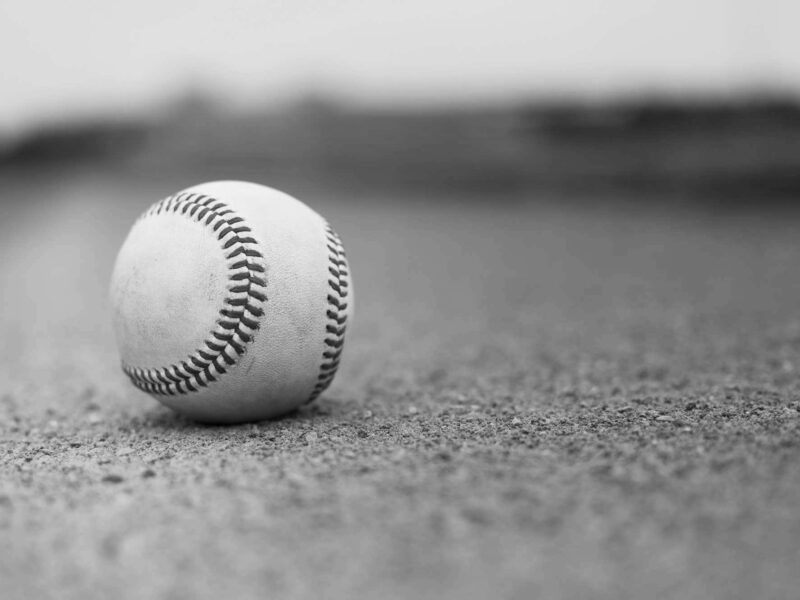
(241, 308)
(336, 313)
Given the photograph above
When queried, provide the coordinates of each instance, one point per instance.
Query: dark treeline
(92, 141)
(655, 115)
(738, 149)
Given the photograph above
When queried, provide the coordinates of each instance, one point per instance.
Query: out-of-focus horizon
(87, 58)
(662, 95)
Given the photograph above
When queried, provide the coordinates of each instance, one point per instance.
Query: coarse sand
(537, 400)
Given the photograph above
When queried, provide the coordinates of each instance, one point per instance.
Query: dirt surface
(537, 401)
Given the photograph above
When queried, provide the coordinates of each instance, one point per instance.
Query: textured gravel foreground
(535, 402)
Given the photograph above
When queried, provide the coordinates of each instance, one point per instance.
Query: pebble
(124, 451)
(94, 418)
(113, 478)
(665, 419)
(412, 410)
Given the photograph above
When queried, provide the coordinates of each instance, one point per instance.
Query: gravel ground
(598, 401)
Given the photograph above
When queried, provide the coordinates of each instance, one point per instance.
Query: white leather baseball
(230, 302)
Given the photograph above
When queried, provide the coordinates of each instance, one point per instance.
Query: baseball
(230, 302)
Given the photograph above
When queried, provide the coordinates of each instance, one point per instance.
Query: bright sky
(59, 58)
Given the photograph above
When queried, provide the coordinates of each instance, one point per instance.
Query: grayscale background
(573, 232)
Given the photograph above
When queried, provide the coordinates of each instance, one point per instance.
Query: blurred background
(691, 98)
